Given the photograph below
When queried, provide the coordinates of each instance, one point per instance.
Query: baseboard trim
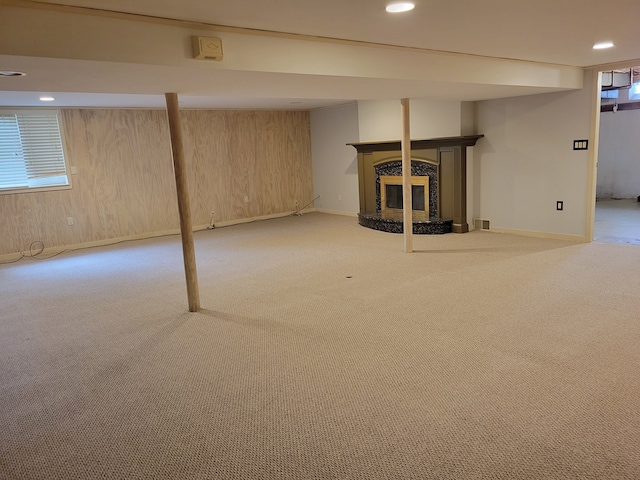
(337, 212)
(49, 251)
(531, 233)
(238, 221)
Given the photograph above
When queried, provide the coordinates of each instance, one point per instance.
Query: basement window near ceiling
(31, 152)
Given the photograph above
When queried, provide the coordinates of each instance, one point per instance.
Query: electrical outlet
(559, 205)
(295, 202)
(246, 199)
(69, 221)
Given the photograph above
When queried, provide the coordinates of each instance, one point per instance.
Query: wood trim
(531, 233)
(592, 172)
(463, 141)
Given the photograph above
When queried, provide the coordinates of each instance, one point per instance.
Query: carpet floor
(323, 351)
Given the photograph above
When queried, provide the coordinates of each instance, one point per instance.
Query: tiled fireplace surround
(418, 169)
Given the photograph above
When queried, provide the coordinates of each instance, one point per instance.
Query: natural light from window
(31, 151)
(634, 91)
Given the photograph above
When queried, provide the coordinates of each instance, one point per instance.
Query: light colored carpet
(323, 352)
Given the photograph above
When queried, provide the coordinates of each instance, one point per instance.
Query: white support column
(407, 200)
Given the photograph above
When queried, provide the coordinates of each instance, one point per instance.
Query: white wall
(526, 162)
(381, 120)
(467, 118)
(619, 155)
(335, 164)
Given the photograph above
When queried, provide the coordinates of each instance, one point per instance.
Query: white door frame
(594, 135)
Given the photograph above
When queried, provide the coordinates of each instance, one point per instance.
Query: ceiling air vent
(209, 48)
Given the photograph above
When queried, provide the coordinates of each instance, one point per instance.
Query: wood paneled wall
(125, 187)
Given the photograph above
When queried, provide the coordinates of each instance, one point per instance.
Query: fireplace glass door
(391, 193)
(394, 197)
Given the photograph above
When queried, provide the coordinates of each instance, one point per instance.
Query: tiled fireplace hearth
(438, 179)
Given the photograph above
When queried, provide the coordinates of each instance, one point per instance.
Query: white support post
(407, 200)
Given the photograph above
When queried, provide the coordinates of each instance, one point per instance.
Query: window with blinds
(31, 152)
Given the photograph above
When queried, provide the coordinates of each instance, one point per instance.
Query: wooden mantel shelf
(463, 141)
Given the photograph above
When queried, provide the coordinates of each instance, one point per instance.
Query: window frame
(68, 170)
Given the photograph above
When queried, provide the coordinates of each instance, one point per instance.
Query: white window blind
(31, 153)
(13, 171)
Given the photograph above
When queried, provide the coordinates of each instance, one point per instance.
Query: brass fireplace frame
(397, 180)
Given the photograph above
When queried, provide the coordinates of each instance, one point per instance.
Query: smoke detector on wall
(209, 48)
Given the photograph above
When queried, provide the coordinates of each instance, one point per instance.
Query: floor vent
(481, 224)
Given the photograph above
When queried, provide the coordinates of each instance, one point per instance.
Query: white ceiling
(559, 32)
(552, 31)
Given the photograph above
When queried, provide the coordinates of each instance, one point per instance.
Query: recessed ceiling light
(11, 73)
(602, 45)
(399, 7)
(46, 98)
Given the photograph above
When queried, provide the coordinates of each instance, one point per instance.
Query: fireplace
(391, 194)
(438, 185)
